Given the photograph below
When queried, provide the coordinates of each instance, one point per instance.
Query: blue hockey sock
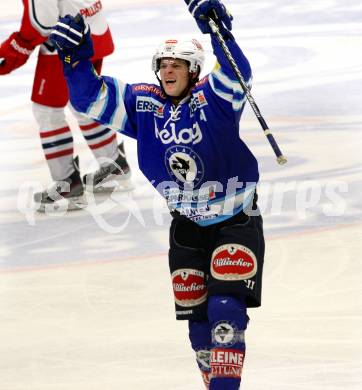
(200, 337)
(228, 321)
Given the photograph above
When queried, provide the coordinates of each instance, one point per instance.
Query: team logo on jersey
(184, 165)
(233, 262)
(189, 287)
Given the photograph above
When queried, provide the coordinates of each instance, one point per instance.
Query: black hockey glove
(202, 10)
(71, 37)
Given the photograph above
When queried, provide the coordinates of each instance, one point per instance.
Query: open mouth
(170, 82)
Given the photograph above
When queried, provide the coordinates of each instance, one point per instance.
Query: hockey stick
(215, 29)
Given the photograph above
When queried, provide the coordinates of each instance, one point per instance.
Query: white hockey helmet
(190, 51)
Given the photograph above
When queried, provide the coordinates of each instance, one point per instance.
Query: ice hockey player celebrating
(50, 96)
(189, 148)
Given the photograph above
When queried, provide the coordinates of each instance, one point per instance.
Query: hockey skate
(67, 194)
(111, 176)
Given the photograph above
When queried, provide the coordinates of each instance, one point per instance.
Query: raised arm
(223, 80)
(72, 39)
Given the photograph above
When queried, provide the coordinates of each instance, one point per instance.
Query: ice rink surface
(85, 298)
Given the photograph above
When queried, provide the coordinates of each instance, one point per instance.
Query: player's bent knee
(227, 308)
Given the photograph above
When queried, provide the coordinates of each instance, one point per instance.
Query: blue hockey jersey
(191, 153)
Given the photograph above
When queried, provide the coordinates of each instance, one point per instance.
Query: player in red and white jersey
(50, 96)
